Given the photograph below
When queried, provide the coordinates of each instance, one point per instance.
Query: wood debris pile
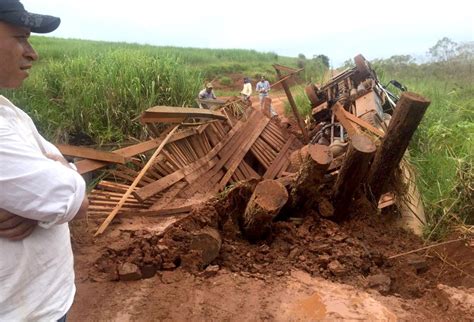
(200, 152)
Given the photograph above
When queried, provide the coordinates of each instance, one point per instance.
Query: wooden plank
(277, 164)
(93, 154)
(85, 166)
(185, 112)
(366, 125)
(144, 119)
(206, 182)
(165, 182)
(338, 110)
(159, 212)
(242, 151)
(114, 212)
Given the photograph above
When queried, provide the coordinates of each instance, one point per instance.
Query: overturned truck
(252, 169)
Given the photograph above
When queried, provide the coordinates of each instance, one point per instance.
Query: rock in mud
(380, 282)
(129, 272)
(337, 268)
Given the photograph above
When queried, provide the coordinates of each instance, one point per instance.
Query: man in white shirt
(40, 190)
(246, 91)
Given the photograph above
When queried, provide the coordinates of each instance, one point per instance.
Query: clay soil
(309, 268)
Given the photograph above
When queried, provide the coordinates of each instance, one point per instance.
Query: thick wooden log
(407, 116)
(353, 172)
(310, 175)
(205, 246)
(267, 199)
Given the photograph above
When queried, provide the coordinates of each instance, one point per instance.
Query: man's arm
(14, 227)
(37, 187)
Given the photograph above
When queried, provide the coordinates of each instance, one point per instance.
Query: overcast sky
(339, 29)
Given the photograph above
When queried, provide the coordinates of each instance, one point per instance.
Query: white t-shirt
(36, 273)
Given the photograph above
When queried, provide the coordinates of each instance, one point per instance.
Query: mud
(352, 257)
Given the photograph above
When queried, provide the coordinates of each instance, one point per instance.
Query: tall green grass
(100, 88)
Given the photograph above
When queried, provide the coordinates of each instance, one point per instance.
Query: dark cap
(13, 12)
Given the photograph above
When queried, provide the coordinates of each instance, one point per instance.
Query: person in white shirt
(246, 91)
(262, 88)
(41, 191)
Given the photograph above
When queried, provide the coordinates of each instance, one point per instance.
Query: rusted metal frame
(293, 106)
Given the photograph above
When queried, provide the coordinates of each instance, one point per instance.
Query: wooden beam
(242, 151)
(114, 212)
(338, 110)
(181, 112)
(293, 105)
(407, 116)
(366, 125)
(165, 182)
(353, 173)
(85, 166)
(88, 153)
(277, 164)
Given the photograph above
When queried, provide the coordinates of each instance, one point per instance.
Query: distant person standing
(246, 91)
(207, 94)
(262, 88)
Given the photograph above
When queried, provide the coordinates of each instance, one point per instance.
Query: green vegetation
(443, 147)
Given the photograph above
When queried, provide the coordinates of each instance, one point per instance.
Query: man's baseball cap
(13, 12)
(209, 85)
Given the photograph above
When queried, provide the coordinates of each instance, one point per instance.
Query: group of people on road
(262, 88)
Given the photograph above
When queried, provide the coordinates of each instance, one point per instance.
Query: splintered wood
(202, 158)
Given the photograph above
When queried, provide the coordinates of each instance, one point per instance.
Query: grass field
(98, 90)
